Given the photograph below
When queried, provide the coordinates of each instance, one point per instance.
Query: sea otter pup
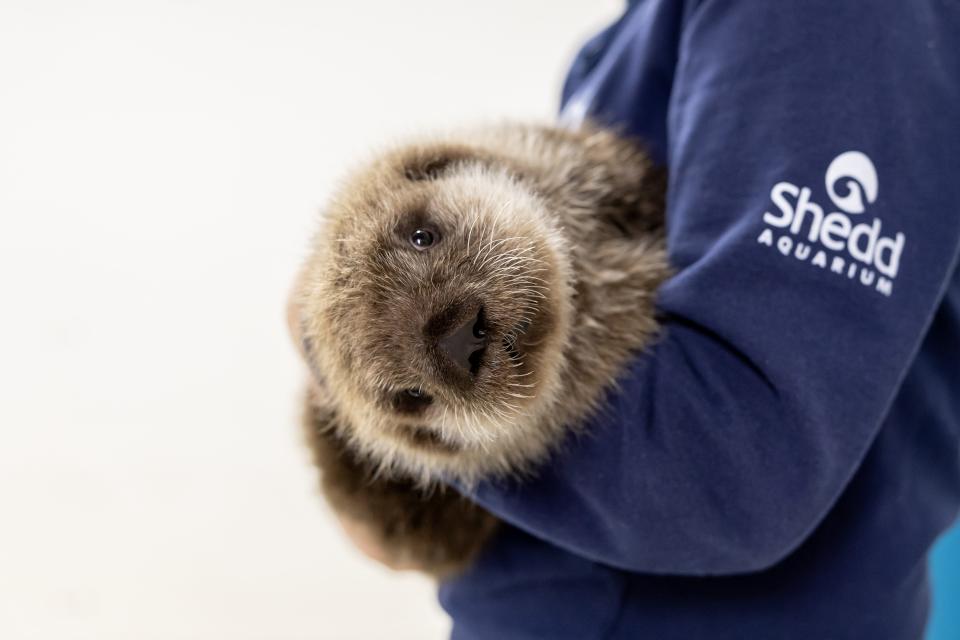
(465, 305)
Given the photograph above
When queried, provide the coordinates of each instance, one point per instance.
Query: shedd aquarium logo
(801, 229)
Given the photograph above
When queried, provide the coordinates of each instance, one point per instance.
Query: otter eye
(411, 401)
(422, 239)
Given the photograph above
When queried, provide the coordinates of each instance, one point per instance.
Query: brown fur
(555, 236)
(437, 529)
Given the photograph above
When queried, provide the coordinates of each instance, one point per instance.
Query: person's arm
(730, 440)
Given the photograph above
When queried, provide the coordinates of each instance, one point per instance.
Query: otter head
(434, 309)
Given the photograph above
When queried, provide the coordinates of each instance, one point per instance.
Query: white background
(161, 166)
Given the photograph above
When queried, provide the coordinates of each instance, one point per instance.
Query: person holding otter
(779, 460)
(780, 463)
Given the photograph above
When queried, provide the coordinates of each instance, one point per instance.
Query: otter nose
(464, 346)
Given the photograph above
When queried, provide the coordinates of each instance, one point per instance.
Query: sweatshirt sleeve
(814, 222)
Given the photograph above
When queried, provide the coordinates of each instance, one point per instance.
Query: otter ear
(295, 317)
(302, 342)
(432, 163)
(294, 324)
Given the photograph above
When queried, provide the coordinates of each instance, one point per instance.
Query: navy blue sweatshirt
(780, 462)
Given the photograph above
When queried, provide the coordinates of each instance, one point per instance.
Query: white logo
(831, 240)
(852, 164)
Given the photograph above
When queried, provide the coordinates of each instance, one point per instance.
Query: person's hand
(367, 543)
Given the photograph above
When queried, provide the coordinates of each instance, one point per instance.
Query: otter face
(435, 308)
